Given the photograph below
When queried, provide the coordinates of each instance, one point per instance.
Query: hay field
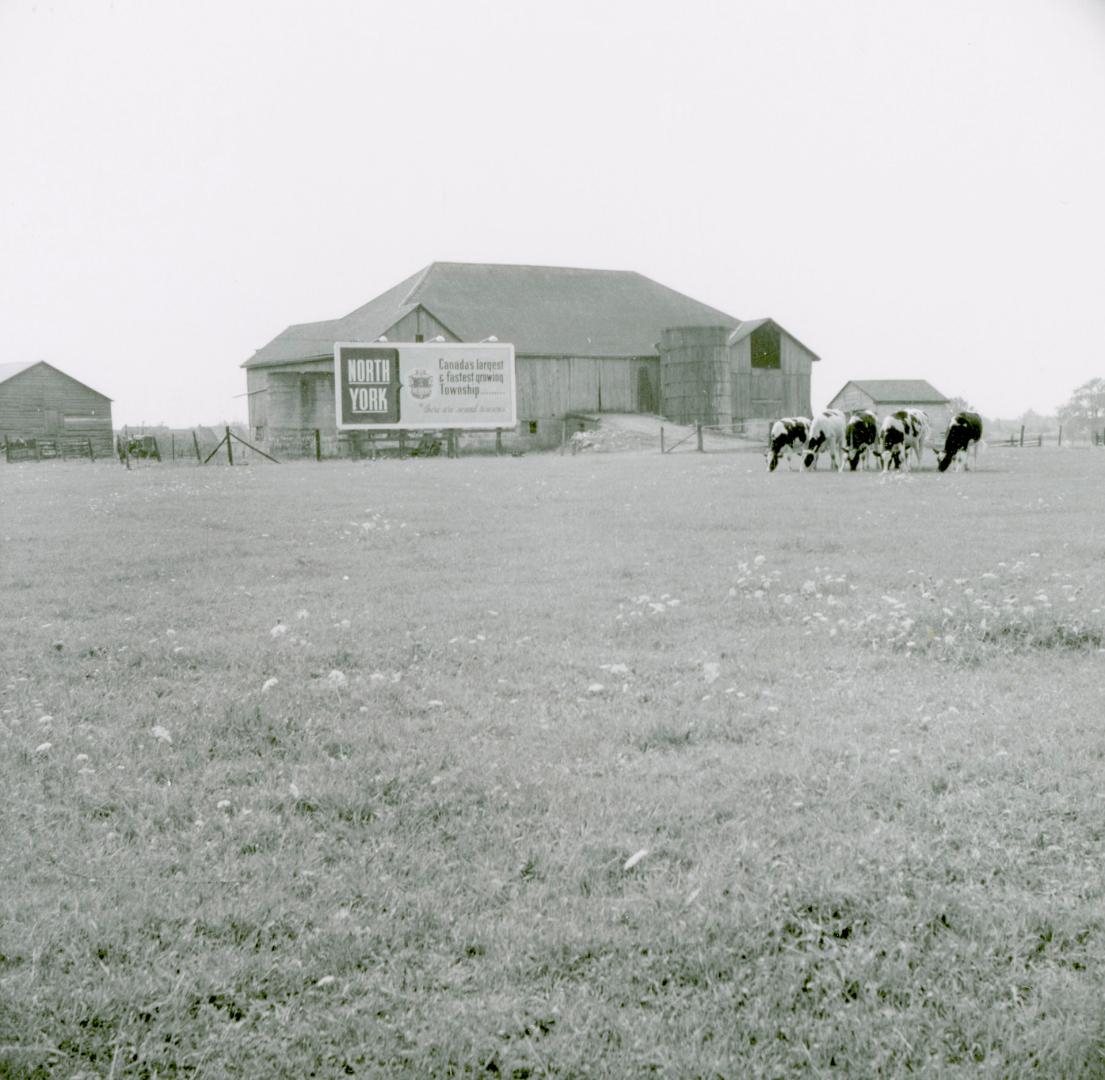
(560, 766)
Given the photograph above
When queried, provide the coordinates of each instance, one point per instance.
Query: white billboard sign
(391, 386)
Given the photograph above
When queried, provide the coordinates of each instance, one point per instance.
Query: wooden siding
(852, 398)
(550, 387)
(44, 403)
(764, 393)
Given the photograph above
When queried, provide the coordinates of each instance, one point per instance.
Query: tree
(1085, 411)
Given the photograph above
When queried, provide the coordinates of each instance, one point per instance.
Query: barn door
(53, 421)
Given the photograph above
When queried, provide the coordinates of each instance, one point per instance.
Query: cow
(788, 438)
(900, 432)
(826, 433)
(964, 434)
(861, 439)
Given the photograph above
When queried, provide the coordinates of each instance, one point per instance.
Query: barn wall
(765, 394)
(44, 403)
(852, 399)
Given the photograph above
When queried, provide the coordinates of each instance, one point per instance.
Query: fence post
(1022, 434)
(318, 445)
(91, 455)
(563, 435)
(172, 443)
(7, 451)
(1039, 440)
(229, 449)
(402, 444)
(1060, 443)
(698, 434)
(498, 442)
(196, 444)
(661, 438)
(451, 443)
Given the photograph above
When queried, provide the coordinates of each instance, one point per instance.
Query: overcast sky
(914, 188)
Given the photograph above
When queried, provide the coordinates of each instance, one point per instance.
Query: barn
(43, 406)
(585, 341)
(883, 396)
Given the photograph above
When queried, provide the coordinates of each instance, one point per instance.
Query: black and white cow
(964, 434)
(861, 439)
(900, 432)
(826, 433)
(788, 438)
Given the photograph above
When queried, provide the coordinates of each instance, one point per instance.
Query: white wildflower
(279, 630)
(635, 858)
(336, 679)
(161, 734)
(269, 684)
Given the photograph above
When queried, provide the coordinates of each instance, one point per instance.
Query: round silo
(696, 382)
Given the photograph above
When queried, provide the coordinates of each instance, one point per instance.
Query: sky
(913, 188)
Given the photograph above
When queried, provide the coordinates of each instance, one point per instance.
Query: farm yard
(591, 765)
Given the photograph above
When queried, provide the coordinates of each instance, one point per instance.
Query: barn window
(533, 427)
(418, 338)
(765, 347)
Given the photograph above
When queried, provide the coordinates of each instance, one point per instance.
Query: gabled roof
(9, 371)
(749, 325)
(897, 390)
(543, 310)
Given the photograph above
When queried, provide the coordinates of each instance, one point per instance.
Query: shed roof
(543, 310)
(895, 390)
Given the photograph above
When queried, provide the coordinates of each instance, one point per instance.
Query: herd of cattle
(862, 438)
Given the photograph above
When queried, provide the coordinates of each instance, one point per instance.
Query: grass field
(577, 766)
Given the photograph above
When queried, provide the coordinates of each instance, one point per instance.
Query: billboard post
(424, 386)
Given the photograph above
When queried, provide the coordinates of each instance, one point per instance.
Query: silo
(695, 375)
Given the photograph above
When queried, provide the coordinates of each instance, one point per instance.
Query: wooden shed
(585, 341)
(40, 404)
(883, 396)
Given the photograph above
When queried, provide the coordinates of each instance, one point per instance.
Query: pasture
(347, 769)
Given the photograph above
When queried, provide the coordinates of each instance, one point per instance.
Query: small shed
(40, 404)
(883, 396)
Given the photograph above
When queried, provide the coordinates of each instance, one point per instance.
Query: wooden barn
(586, 341)
(58, 414)
(884, 396)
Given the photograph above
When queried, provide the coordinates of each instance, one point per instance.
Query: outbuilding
(585, 341)
(883, 396)
(44, 408)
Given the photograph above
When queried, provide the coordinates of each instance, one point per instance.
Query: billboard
(382, 386)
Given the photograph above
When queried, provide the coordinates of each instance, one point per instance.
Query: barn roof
(8, 370)
(543, 310)
(749, 325)
(894, 390)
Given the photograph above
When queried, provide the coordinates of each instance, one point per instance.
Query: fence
(1046, 438)
(47, 449)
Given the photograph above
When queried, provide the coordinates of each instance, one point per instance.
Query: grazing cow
(826, 433)
(861, 439)
(902, 431)
(964, 434)
(788, 438)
